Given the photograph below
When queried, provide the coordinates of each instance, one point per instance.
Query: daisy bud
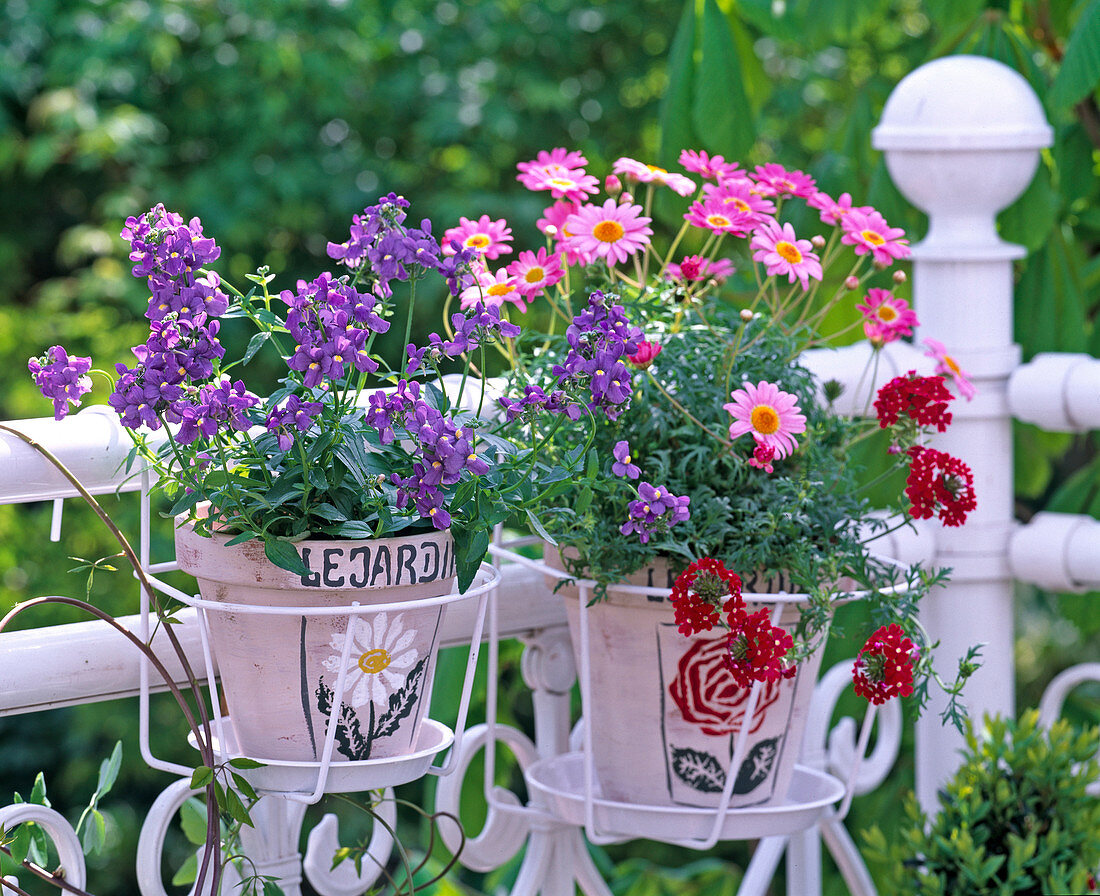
(551, 230)
(852, 282)
(612, 185)
(746, 315)
(626, 198)
(817, 241)
(900, 276)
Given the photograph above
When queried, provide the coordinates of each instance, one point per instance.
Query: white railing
(960, 155)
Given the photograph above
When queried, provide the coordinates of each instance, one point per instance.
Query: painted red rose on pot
(706, 694)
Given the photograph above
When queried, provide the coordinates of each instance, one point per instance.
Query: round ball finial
(962, 137)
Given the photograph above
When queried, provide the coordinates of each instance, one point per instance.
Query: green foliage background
(276, 123)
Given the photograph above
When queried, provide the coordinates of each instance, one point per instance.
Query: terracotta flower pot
(665, 711)
(279, 671)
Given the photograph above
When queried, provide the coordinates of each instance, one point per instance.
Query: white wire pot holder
(362, 632)
(688, 795)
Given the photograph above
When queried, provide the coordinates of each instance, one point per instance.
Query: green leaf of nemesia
(236, 808)
(254, 345)
(95, 833)
(284, 555)
(187, 872)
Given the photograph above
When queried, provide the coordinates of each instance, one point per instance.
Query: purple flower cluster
(445, 451)
(600, 338)
(293, 412)
(395, 252)
(170, 254)
(655, 512)
(61, 378)
(331, 322)
(177, 351)
(214, 406)
(475, 327)
(534, 402)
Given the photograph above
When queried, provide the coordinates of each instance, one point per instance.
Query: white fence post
(962, 137)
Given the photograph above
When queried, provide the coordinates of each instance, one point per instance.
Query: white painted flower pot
(665, 711)
(279, 670)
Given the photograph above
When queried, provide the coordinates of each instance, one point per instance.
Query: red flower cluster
(700, 592)
(756, 649)
(884, 667)
(921, 398)
(939, 484)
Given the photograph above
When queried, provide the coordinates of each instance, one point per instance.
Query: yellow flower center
(886, 313)
(477, 241)
(764, 419)
(563, 183)
(499, 289)
(656, 170)
(718, 221)
(374, 661)
(534, 275)
(873, 237)
(608, 231)
(738, 204)
(950, 362)
(788, 251)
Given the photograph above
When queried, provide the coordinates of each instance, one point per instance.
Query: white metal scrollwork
(64, 838)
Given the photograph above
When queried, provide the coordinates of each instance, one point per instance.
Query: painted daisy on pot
(783, 253)
(382, 655)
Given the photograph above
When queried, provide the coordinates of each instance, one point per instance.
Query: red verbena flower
(756, 650)
(884, 667)
(939, 484)
(701, 591)
(921, 398)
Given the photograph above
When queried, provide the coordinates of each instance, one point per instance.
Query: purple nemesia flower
(476, 326)
(169, 255)
(600, 338)
(294, 412)
(61, 378)
(655, 512)
(213, 407)
(331, 322)
(622, 465)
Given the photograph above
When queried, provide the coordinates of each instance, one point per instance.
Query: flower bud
(626, 198)
(612, 185)
(746, 315)
(900, 276)
(852, 282)
(817, 241)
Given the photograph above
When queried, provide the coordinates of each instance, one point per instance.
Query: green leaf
(254, 345)
(243, 762)
(675, 123)
(236, 808)
(108, 771)
(187, 872)
(38, 792)
(20, 844)
(720, 111)
(201, 777)
(1080, 70)
(193, 821)
(246, 535)
(284, 555)
(350, 529)
(242, 784)
(538, 527)
(95, 833)
(1030, 219)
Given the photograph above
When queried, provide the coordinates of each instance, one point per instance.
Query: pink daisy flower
(554, 216)
(948, 366)
(652, 174)
(783, 253)
(492, 290)
(770, 414)
(740, 194)
(775, 180)
(489, 238)
(886, 317)
(695, 267)
(613, 232)
(573, 185)
(720, 217)
(835, 211)
(534, 272)
(707, 166)
(870, 233)
(557, 159)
